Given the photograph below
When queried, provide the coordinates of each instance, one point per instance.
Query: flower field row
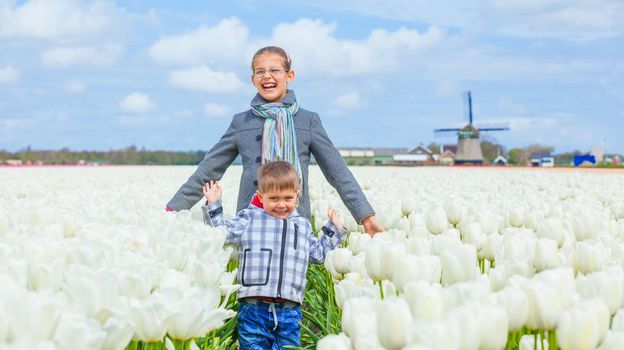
(472, 259)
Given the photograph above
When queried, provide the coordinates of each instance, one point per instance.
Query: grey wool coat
(244, 137)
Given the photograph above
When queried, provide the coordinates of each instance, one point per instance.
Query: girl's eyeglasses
(260, 72)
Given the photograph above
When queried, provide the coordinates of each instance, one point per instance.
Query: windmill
(468, 144)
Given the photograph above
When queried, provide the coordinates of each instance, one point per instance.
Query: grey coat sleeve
(212, 167)
(336, 172)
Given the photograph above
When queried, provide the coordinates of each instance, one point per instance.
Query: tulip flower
(516, 217)
(473, 235)
(425, 300)
(604, 285)
(546, 254)
(75, 331)
(551, 228)
(408, 268)
(589, 256)
(516, 304)
(334, 342)
(149, 317)
(434, 335)
(612, 341)
(337, 261)
(436, 221)
(544, 305)
(459, 263)
(359, 323)
(528, 342)
(583, 326)
(494, 327)
(358, 242)
(454, 211)
(393, 320)
(618, 321)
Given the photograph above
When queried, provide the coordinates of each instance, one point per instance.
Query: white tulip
(337, 261)
(393, 320)
(603, 285)
(408, 205)
(589, 256)
(75, 331)
(494, 327)
(459, 263)
(149, 317)
(612, 341)
(410, 268)
(419, 245)
(516, 303)
(527, 342)
(436, 221)
(434, 335)
(359, 323)
(466, 319)
(583, 326)
(4, 224)
(546, 254)
(334, 342)
(119, 330)
(551, 228)
(358, 242)
(544, 306)
(491, 245)
(425, 300)
(618, 321)
(454, 211)
(473, 235)
(357, 264)
(562, 279)
(516, 217)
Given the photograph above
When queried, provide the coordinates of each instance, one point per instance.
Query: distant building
(500, 161)
(14, 162)
(447, 157)
(584, 160)
(385, 156)
(419, 155)
(542, 160)
(451, 148)
(357, 156)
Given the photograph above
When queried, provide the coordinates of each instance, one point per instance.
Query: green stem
(381, 293)
(535, 341)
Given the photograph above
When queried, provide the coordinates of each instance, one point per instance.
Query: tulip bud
(546, 254)
(436, 221)
(425, 300)
(459, 263)
(583, 326)
(393, 320)
(334, 342)
(454, 211)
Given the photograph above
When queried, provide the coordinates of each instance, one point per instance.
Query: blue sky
(169, 75)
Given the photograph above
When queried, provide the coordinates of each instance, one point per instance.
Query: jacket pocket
(296, 235)
(256, 267)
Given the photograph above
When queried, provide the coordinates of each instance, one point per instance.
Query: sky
(169, 75)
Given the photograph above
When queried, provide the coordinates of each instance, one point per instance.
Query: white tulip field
(472, 258)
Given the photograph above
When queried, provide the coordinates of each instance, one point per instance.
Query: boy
(275, 243)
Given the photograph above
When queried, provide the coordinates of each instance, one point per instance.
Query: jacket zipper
(279, 282)
(296, 234)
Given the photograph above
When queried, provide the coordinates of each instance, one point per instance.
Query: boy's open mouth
(269, 86)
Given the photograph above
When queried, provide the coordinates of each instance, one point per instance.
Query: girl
(275, 128)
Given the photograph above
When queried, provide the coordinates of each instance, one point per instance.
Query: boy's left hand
(335, 218)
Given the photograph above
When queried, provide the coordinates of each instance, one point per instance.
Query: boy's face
(273, 83)
(279, 204)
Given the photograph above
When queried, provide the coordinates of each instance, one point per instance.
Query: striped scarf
(279, 140)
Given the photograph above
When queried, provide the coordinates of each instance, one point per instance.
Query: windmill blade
(494, 129)
(468, 106)
(445, 132)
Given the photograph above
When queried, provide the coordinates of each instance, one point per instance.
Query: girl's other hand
(334, 217)
(212, 191)
(371, 226)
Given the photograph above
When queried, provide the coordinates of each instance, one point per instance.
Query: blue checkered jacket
(273, 253)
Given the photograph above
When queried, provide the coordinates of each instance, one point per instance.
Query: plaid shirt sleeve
(331, 238)
(213, 216)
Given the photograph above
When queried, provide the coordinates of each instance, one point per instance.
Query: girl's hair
(274, 50)
(279, 175)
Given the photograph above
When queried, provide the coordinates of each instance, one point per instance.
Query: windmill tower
(468, 144)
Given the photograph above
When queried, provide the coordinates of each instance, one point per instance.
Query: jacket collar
(288, 99)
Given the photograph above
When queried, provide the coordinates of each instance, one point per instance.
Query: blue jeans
(257, 329)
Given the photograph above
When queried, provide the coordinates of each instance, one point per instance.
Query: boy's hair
(274, 50)
(278, 175)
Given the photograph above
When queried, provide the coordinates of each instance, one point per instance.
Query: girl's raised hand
(212, 191)
(334, 217)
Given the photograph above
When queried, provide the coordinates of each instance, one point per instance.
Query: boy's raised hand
(212, 191)
(334, 217)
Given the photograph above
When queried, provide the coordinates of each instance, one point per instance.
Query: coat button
(258, 159)
(259, 138)
(256, 183)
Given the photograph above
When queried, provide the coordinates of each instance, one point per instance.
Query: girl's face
(270, 77)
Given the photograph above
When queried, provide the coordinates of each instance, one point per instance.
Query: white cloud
(205, 79)
(350, 100)
(74, 87)
(82, 56)
(136, 103)
(228, 44)
(322, 53)
(222, 43)
(574, 19)
(52, 19)
(9, 75)
(216, 110)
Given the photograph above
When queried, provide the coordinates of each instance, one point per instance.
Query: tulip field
(472, 258)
